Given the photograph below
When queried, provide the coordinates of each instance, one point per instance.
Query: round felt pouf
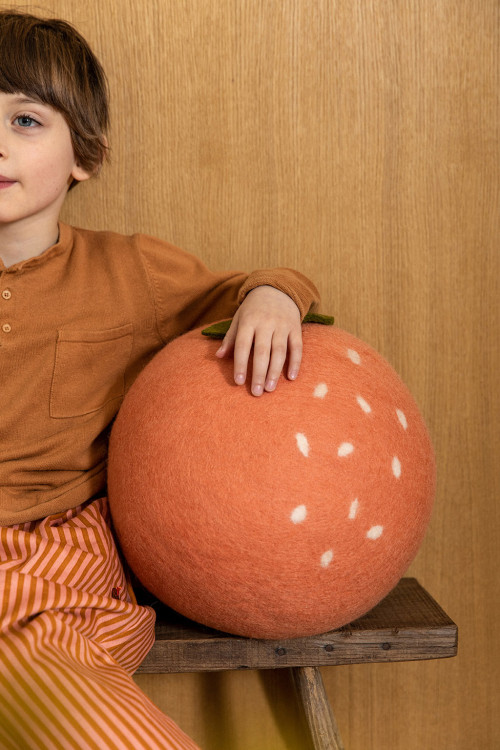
(280, 516)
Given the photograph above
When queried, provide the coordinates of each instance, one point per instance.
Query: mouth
(5, 182)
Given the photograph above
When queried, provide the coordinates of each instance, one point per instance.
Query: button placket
(6, 295)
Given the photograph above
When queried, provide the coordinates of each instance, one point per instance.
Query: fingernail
(239, 379)
(293, 375)
(257, 390)
(270, 385)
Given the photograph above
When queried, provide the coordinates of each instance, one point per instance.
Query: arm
(267, 306)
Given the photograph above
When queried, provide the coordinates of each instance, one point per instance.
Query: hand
(270, 321)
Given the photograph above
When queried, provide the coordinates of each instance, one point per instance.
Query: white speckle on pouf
(299, 514)
(353, 509)
(364, 405)
(396, 467)
(375, 532)
(321, 390)
(345, 449)
(354, 356)
(302, 444)
(402, 418)
(326, 558)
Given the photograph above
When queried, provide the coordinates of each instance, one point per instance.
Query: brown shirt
(77, 324)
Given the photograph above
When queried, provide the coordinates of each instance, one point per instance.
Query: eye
(25, 121)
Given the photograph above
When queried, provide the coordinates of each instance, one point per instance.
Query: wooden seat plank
(407, 625)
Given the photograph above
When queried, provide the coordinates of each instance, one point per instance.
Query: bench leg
(319, 715)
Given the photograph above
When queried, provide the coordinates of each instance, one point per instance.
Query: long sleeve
(187, 294)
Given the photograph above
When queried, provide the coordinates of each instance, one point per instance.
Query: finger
(242, 347)
(278, 357)
(227, 344)
(295, 353)
(261, 359)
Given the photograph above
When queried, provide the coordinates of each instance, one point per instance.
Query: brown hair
(49, 61)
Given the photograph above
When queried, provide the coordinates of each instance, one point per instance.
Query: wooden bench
(407, 625)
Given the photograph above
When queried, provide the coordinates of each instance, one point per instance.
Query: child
(81, 314)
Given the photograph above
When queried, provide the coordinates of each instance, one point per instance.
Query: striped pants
(71, 636)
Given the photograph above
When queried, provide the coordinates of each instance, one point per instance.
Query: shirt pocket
(89, 370)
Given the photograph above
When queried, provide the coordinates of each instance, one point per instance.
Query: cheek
(52, 176)
(53, 165)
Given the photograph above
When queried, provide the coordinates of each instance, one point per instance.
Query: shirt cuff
(293, 283)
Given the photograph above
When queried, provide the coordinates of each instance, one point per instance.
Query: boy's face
(37, 162)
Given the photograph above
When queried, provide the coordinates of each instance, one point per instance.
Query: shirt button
(6, 328)
(6, 294)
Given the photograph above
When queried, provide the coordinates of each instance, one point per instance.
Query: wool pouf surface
(286, 515)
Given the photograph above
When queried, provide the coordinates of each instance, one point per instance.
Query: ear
(79, 174)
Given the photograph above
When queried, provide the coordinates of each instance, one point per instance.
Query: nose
(3, 142)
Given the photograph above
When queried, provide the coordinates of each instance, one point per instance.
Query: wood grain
(357, 141)
(408, 624)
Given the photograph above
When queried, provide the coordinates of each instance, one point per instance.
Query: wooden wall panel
(359, 142)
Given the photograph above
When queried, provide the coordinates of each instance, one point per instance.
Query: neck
(18, 243)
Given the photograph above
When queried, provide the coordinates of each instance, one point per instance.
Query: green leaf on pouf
(324, 320)
(219, 330)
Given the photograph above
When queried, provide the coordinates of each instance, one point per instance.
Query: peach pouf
(287, 515)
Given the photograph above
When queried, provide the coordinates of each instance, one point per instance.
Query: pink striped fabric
(68, 647)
